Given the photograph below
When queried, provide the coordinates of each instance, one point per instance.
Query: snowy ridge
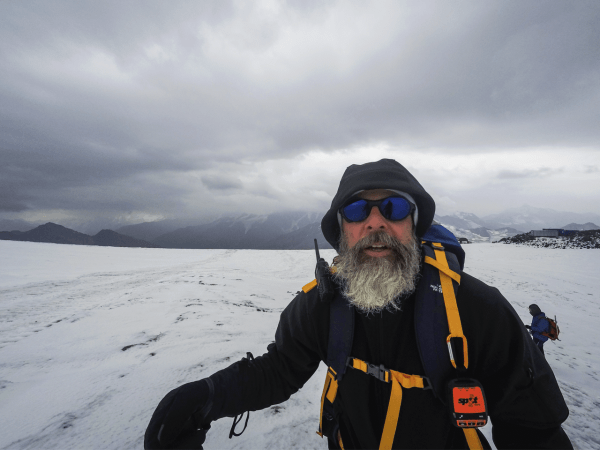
(480, 235)
(472, 220)
(249, 220)
(92, 338)
(586, 239)
(527, 218)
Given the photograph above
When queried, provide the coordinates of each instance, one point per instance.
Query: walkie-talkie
(323, 276)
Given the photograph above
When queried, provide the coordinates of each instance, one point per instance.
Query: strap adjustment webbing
(377, 371)
(399, 380)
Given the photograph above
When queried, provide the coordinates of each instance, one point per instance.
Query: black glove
(180, 419)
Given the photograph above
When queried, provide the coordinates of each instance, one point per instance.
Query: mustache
(379, 237)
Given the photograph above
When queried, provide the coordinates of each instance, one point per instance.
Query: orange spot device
(467, 403)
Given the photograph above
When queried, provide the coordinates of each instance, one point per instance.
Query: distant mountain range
(148, 231)
(524, 218)
(289, 230)
(585, 227)
(57, 234)
(283, 231)
(512, 222)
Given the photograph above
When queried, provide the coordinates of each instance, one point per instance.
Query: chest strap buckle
(377, 371)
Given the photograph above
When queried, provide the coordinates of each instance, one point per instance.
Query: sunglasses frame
(371, 203)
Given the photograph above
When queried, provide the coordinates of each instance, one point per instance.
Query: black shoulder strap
(431, 324)
(341, 334)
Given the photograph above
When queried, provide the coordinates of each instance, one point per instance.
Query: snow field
(565, 283)
(92, 338)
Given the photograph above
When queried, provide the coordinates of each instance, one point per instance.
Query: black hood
(383, 174)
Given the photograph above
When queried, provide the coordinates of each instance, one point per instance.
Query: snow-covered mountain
(148, 231)
(475, 229)
(527, 218)
(514, 221)
(300, 239)
(247, 231)
(462, 220)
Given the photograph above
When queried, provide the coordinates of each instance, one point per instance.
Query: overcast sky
(139, 110)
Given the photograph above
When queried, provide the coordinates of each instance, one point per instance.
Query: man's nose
(375, 219)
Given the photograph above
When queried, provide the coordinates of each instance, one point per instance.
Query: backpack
(446, 356)
(553, 330)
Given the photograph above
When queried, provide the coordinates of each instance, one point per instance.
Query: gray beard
(373, 284)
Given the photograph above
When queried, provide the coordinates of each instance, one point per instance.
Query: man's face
(355, 231)
(378, 260)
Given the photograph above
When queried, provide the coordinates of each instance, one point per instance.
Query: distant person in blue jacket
(539, 325)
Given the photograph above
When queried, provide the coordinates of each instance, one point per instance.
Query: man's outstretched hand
(179, 419)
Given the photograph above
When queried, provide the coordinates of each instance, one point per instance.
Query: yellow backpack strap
(309, 286)
(399, 380)
(454, 324)
(339, 438)
(473, 440)
(329, 392)
(446, 276)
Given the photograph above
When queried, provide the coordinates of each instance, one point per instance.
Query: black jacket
(525, 404)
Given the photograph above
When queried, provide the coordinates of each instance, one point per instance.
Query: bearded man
(376, 222)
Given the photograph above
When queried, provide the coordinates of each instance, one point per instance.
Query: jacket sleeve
(525, 403)
(290, 361)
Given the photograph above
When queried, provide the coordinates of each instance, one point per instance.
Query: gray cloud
(542, 172)
(110, 106)
(221, 182)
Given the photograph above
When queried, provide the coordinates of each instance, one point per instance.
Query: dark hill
(585, 226)
(57, 234)
(220, 234)
(148, 231)
(10, 235)
(110, 238)
(579, 239)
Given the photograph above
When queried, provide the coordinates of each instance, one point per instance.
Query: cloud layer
(140, 110)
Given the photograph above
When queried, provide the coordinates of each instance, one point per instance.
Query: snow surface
(91, 338)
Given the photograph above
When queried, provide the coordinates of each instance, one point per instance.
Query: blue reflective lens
(395, 208)
(391, 208)
(355, 212)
